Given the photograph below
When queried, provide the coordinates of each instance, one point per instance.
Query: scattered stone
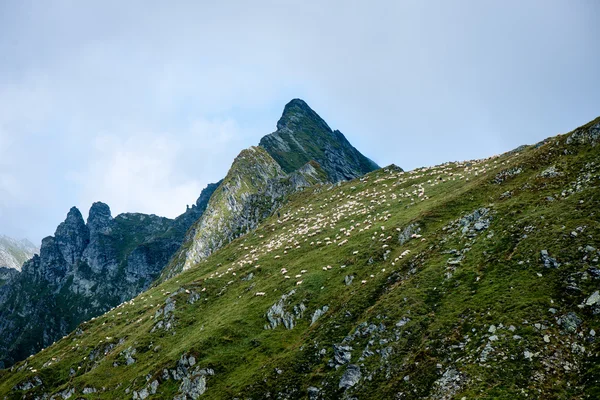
(550, 172)
(128, 354)
(29, 384)
(318, 313)
(570, 322)
(546, 338)
(67, 393)
(313, 393)
(341, 354)
(348, 279)
(548, 261)
(408, 232)
(278, 315)
(193, 387)
(448, 384)
(593, 299)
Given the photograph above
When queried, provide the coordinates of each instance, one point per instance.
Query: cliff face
(302, 135)
(84, 270)
(253, 189)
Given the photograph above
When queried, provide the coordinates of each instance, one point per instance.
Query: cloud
(141, 103)
(155, 172)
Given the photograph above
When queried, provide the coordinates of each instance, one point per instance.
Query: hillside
(474, 279)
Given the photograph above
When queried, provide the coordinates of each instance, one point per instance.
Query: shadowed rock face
(84, 270)
(302, 136)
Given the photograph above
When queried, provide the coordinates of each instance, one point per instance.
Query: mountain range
(308, 272)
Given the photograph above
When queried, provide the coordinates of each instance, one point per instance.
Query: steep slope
(253, 189)
(260, 178)
(473, 279)
(13, 252)
(84, 270)
(302, 136)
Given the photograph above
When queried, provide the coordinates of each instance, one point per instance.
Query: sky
(140, 104)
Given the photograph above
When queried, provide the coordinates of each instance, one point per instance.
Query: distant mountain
(84, 270)
(14, 252)
(302, 135)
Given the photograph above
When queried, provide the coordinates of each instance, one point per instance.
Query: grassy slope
(500, 280)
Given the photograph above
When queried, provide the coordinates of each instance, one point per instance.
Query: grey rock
(342, 354)
(67, 393)
(407, 233)
(154, 386)
(141, 395)
(593, 299)
(585, 135)
(313, 393)
(277, 314)
(549, 262)
(450, 383)
(350, 377)
(193, 387)
(570, 322)
(29, 384)
(318, 313)
(550, 172)
(348, 279)
(507, 174)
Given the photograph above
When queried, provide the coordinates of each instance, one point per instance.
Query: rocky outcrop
(588, 134)
(253, 189)
(84, 270)
(302, 136)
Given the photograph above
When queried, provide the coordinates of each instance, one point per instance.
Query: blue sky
(140, 104)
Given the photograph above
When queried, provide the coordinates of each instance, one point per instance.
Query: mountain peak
(99, 218)
(302, 135)
(297, 113)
